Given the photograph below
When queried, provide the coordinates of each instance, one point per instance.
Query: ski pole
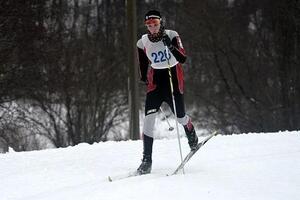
(173, 100)
(171, 128)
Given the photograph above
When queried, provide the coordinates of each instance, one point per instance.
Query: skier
(152, 51)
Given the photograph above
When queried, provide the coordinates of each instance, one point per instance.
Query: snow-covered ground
(236, 167)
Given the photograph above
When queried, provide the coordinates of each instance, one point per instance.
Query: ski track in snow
(236, 167)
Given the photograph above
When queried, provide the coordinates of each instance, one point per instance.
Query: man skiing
(152, 51)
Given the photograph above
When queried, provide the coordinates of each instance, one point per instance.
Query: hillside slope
(247, 166)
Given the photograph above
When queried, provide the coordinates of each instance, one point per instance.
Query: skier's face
(153, 25)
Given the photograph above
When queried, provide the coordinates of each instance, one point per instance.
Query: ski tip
(172, 174)
(109, 179)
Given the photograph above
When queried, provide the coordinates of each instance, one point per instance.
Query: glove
(167, 41)
(143, 82)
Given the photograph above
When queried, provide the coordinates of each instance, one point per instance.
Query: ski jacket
(156, 55)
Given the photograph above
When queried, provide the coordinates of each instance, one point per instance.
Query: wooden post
(134, 130)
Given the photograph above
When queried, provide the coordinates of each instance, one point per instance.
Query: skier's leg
(153, 102)
(184, 119)
(148, 128)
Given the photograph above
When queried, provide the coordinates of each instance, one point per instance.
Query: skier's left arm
(175, 46)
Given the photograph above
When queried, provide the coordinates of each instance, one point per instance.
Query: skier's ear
(162, 21)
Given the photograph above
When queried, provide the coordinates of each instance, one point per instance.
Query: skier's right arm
(143, 61)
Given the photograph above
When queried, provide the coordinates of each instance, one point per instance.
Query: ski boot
(146, 166)
(191, 135)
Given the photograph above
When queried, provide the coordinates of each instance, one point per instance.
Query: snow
(236, 167)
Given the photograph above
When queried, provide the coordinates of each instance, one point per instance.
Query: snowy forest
(64, 73)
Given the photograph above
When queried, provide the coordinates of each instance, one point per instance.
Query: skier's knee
(184, 120)
(149, 122)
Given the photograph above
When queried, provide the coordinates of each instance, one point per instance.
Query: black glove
(167, 41)
(143, 81)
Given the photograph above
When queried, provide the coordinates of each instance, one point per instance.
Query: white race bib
(158, 54)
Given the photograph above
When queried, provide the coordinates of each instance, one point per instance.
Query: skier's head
(154, 25)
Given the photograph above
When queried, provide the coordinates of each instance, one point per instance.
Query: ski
(192, 152)
(120, 177)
